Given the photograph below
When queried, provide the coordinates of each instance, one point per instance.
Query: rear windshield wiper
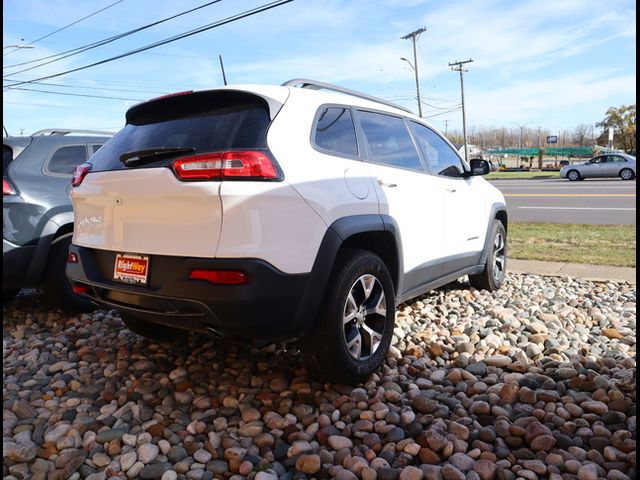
(137, 157)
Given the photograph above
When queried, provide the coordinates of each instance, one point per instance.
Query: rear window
(65, 159)
(206, 121)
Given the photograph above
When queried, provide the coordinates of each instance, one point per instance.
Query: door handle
(450, 189)
(385, 184)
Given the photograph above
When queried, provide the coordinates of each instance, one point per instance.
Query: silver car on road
(607, 165)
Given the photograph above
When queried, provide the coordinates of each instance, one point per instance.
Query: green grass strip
(559, 242)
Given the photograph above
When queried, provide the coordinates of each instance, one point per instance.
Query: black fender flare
(48, 239)
(335, 236)
(496, 209)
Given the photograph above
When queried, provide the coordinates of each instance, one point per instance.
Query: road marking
(564, 187)
(570, 195)
(575, 208)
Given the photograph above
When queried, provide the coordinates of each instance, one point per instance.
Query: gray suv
(37, 217)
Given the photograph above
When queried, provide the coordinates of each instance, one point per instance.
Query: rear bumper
(265, 307)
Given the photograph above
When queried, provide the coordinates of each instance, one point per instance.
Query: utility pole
(413, 36)
(446, 123)
(458, 67)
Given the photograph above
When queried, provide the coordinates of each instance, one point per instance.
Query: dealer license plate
(130, 268)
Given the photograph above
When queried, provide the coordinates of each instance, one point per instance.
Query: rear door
(406, 193)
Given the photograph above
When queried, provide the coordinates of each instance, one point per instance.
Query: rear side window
(335, 132)
(389, 141)
(65, 159)
(207, 122)
(440, 157)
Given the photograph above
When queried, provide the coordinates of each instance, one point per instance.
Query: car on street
(37, 217)
(607, 165)
(303, 211)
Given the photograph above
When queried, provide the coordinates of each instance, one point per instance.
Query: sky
(554, 64)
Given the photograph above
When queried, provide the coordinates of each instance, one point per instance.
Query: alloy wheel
(364, 317)
(499, 257)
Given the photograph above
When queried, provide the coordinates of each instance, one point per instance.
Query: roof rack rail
(67, 131)
(315, 85)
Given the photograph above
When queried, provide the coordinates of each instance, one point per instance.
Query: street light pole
(457, 67)
(413, 35)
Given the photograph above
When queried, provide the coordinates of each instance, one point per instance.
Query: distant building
(474, 150)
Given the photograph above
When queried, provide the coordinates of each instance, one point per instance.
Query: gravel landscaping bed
(531, 382)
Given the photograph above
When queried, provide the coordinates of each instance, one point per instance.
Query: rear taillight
(215, 166)
(79, 173)
(7, 188)
(221, 277)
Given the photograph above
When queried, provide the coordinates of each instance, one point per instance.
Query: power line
(75, 94)
(67, 26)
(240, 16)
(83, 48)
(77, 21)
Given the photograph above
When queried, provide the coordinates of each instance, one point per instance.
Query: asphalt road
(592, 201)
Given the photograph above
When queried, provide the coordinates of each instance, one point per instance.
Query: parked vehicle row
(37, 217)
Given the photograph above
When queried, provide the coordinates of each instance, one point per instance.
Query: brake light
(168, 95)
(222, 277)
(79, 173)
(209, 166)
(7, 188)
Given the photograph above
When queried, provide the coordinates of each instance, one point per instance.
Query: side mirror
(479, 166)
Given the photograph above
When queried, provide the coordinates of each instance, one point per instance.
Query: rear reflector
(79, 173)
(221, 277)
(79, 289)
(212, 166)
(7, 188)
(72, 257)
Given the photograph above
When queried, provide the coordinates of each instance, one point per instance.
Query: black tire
(627, 174)
(574, 175)
(348, 351)
(153, 331)
(57, 287)
(494, 272)
(9, 294)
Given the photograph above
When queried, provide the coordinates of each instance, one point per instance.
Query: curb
(594, 273)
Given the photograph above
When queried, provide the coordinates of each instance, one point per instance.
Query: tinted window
(95, 148)
(335, 131)
(7, 157)
(210, 122)
(440, 157)
(65, 159)
(389, 140)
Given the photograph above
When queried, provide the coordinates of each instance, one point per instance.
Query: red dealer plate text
(131, 268)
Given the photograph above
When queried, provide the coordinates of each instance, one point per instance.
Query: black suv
(37, 217)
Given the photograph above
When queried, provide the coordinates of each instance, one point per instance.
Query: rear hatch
(154, 188)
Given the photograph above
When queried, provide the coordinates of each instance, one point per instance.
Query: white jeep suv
(302, 211)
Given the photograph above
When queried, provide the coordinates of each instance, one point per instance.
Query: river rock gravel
(534, 381)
